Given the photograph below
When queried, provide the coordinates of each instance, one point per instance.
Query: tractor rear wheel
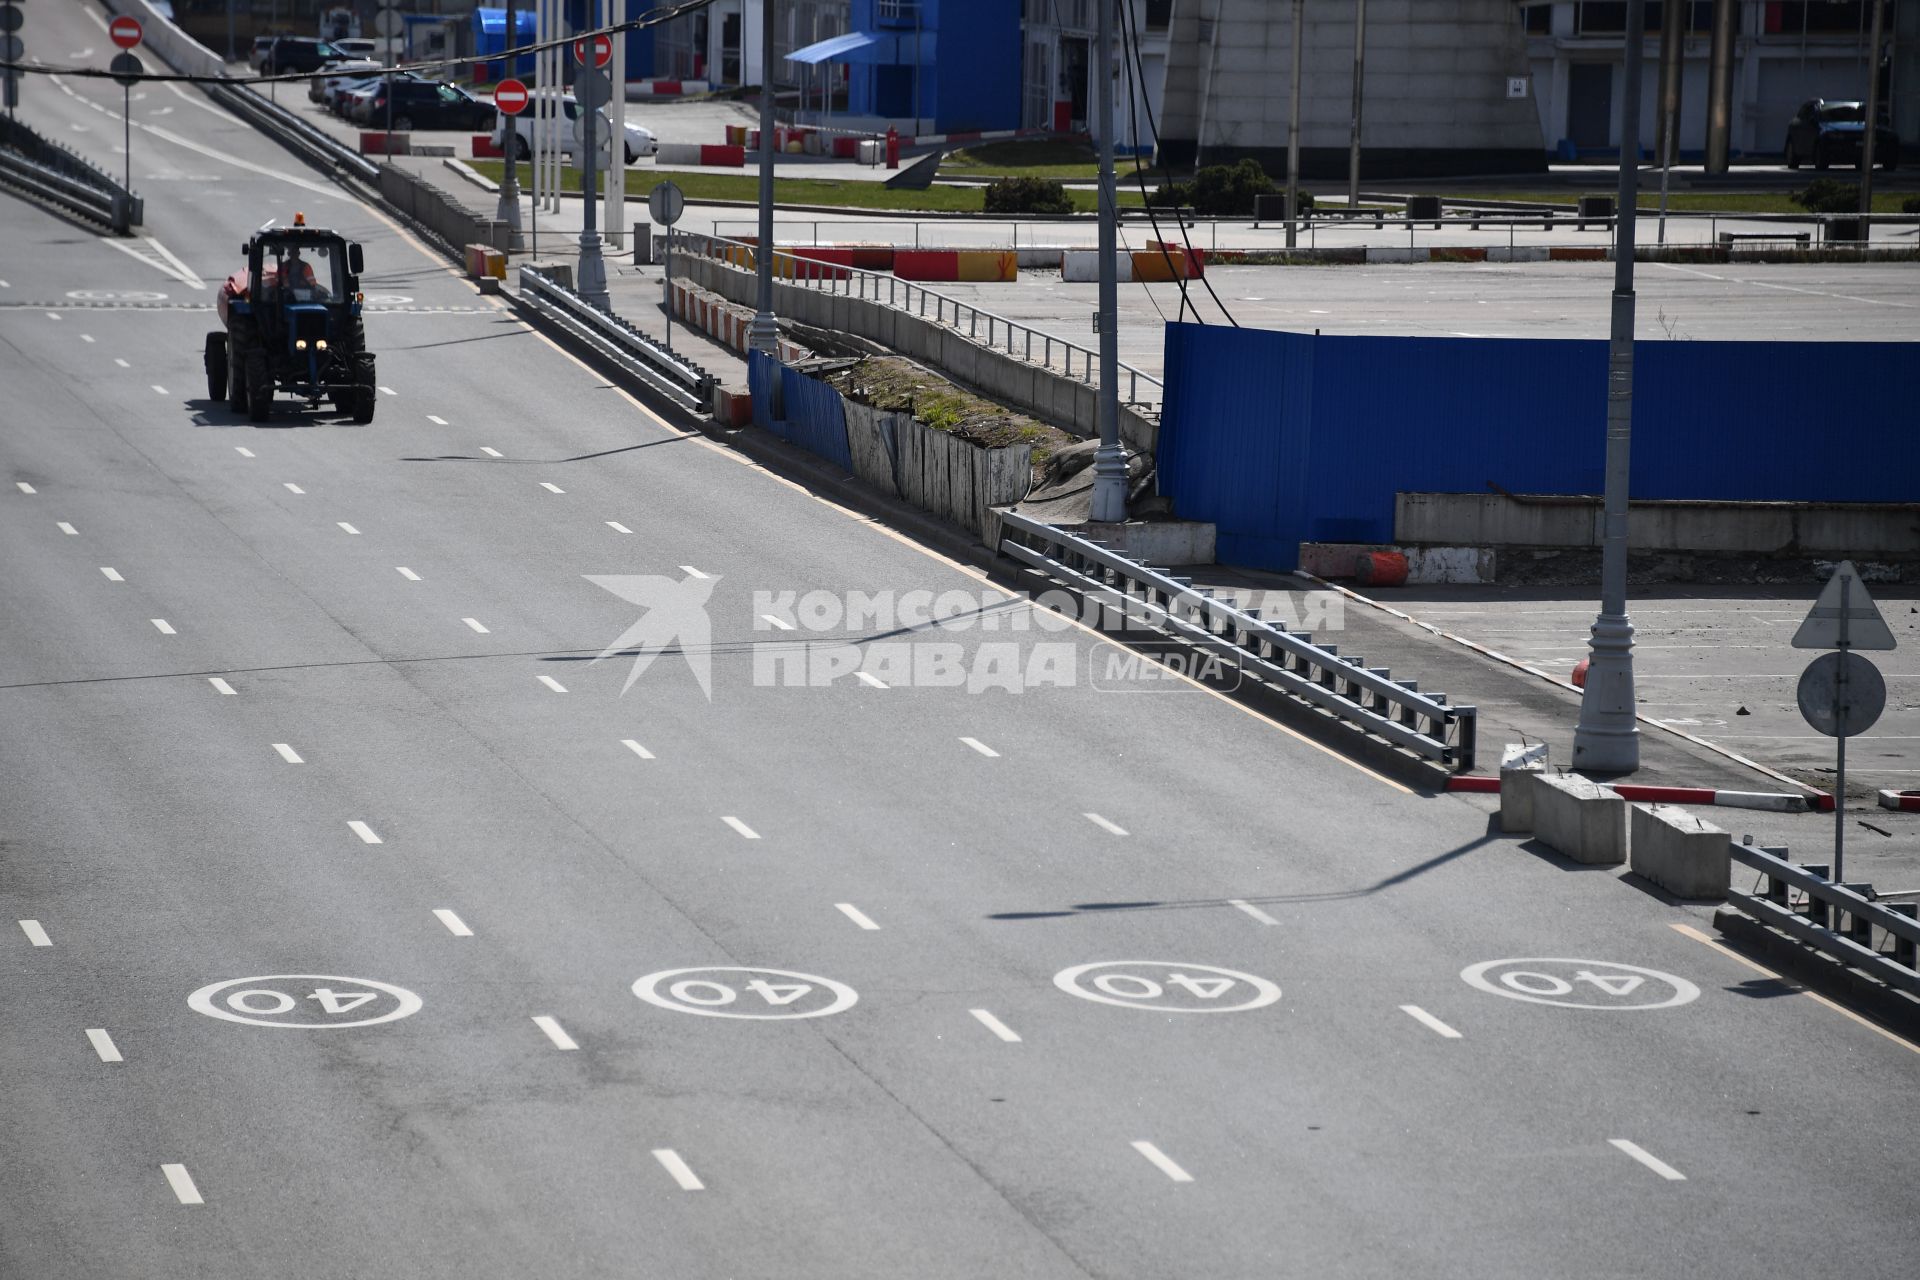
(259, 387)
(215, 359)
(364, 390)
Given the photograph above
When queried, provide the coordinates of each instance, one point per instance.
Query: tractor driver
(297, 273)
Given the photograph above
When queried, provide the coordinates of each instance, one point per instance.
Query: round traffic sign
(665, 203)
(10, 18)
(1580, 984)
(602, 50)
(304, 1001)
(1838, 713)
(388, 22)
(510, 96)
(731, 991)
(12, 48)
(1166, 986)
(124, 31)
(126, 68)
(592, 88)
(602, 137)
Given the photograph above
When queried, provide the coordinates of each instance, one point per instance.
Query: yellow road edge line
(1840, 1009)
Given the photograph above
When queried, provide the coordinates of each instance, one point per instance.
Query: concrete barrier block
(1682, 853)
(1581, 820)
(1516, 788)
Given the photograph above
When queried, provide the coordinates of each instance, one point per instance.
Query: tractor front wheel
(259, 387)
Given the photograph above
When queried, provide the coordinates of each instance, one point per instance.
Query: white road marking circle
(1580, 984)
(261, 1001)
(1165, 986)
(115, 295)
(386, 299)
(714, 991)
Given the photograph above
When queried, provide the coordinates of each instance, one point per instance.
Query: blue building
(906, 62)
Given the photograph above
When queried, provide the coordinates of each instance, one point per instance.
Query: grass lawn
(806, 191)
(1059, 158)
(1686, 201)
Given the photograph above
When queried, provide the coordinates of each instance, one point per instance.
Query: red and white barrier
(1775, 801)
(1147, 265)
(668, 88)
(956, 264)
(725, 322)
(1903, 801)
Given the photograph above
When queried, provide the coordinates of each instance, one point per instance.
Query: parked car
(640, 140)
(330, 78)
(257, 56)
(355, 47)
(1826, 131)
(427, 104)
(300, 54)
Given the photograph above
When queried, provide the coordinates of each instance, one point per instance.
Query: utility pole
(230, 8)
(509, 207)
(1607, 739)
(1293, 129)
(1359, 97)
(764, 333)
(1673, 48)
(1726, 19)
(1110, 460)
(1873, 117)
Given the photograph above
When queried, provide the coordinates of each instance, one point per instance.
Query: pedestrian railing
(1366, 697)
(987, 328)
(64, 179)
(677, 377)
(1842, 920)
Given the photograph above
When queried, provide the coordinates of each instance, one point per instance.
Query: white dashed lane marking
(436, 420)
(491, 453)
(113, 575)
(103, 1044)
(1160, 1161)
(551, 487)
(1111, 828)
(364, 831)
(294, 488)
(388, 391)
(24, 487)
(553, 684)
(455, 925)
(996, 1026)
(182, 1183)
(741, 827)
(243, 451)
(561, 1040)
(67, 529)
(122, 363)
(475, 624)
(36, 933)
(1243, 905)
(219, 684)
(856, 915)
(162, 625)
(1428, 1021)
(778, 624)
(636, 748)
(407, 573)
(346, 528)
(287, 753)
(871, 680)
(982, 748)
(617, 527)
(674, 1165)
(691, 572)
(1648, 1159)
(162, 390)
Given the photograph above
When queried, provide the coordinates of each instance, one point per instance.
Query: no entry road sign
(602, 50)
(124, 31)
(510, 97)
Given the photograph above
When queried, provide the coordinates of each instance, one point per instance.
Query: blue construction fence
(807, 412)
(1283, 438)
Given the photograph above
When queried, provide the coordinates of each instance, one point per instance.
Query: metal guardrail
(294, 132)
(1367, 697)
(1024, 342)
(674, 375)
(63, 177)
(1842, 920)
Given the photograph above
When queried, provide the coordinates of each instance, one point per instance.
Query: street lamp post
(1293, 127)
(1359, 101)
(1873, 115)
(764, 333)
(1109, 504)
(1607, 739)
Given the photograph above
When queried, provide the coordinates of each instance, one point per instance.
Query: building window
(1610, 19)
(1159, 14)
(1820, 17)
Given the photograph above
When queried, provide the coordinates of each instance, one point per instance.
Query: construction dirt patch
(900, 386)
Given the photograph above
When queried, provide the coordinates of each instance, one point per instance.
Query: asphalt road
(346, 758)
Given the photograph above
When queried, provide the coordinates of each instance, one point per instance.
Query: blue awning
(834, 47)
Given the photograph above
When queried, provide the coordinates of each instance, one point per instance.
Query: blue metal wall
(810, 413)
(1284, 438)
(969, 68)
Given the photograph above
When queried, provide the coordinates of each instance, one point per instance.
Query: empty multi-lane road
(359, 923)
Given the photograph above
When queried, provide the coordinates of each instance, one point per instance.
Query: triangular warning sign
(1864, 627)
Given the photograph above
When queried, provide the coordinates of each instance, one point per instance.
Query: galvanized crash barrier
(1366, 697)
(61, 177)
(1842, 920)
(679, 378)
(294, 132)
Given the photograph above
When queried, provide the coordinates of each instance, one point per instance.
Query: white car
(640, 140)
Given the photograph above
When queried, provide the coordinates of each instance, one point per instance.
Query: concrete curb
(1774, 801)
(1799, 962)
(1903, 801)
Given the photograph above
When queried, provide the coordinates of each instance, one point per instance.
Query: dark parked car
(300, 53)
(423, 104)
(1827, 132)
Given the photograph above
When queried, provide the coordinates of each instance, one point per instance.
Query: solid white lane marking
(553, 684)
(551, 487)
(873, 681)
(364, 831)
(220, 684)
(491, 453)
(436, 420)
(636, 748)
(1648, 1159)
(455, 925)
(24, 487)
(117, 360)
(1111, 828)
(856, 915)
(996, 1026)
(165, 628)
(670, 1161)
(36, 934)
(287, 753)
(741, 827)
(1252, 910)
(162, 390)
(113, 575)
(293, 488)
(103, 1044)
(617, 527)
(475, 624)
(982, 748)
(243, 451)
(561, 1040)
(180, 269)
(778, 624)
(388, 391)
(346, 528)
(691, 572)
(1161, 1162)
(182, 1183)
(67, 528)
(1428, 1021)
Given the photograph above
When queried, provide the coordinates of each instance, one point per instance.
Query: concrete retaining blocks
(1683, 854)
(1519, 765)
(1580, 820)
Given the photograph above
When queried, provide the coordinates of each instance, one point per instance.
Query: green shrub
(1824, 195)
(1028, 195)
(1222, 190)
